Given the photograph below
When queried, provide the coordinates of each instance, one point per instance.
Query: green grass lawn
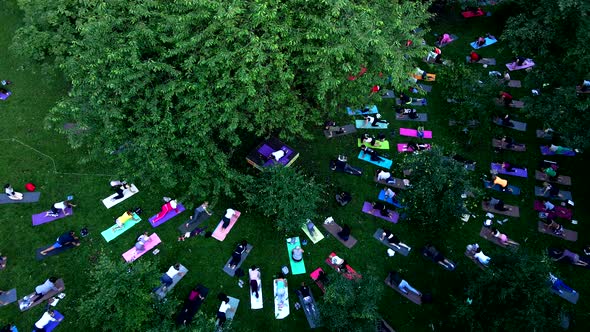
(33, 154)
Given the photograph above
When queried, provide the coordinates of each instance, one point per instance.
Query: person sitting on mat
(339, 263)
(48, 316)
(431, 252)
(370, 140)
(550, 171)
(13, 195)
(390, 194)
(518, 61)
(420, 132)
(43, 289)
(125, 217)
(306, 296)
(343, 198)
(54, 211)
(409, 112)
(383, 175)
(502, 238)
(341, 165)
(254, 275)
(229, 214)
(552, 189)
(548, 205)
(505, 98)
(585, 86)
(507, 142)
(297, 254)
(236, 256)
(374, 156)
(497, 204)
(374, 90)
(480, 41)
(141, 241)
(383, 211)
(434, 54)
(558, 285)
(550, 224)
(405, 99)
(393, 240)
(501, 182)
(199, 210)
(396, 280)
(507, 167)
(344, 234)
(567, 255)
(421, 73)
(167, 278)
(223, 308)
(119, 187)
(474, 57)
(444, 39)
(506, 120)
(66, 239)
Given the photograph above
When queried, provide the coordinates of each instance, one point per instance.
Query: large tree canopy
(173, 87)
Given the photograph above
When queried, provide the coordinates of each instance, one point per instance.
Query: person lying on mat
(223, 308)
(343, 198)
(48, 316)
(199, 210)
(550, 171)
(550, 224)
(435, 54)
(405, 99)
(390, 194)
(306, 296)
(374, 120)
(557, 149)
(167, 278)
(229, 213)
(169, 206)
(552, 189)
(444, 39)
(141, 241)
(383, 211)
(409, 112)
(385, 176)
(341, 165)
(125, 217)
(396, 279)
(502, 238)
(66, 239)
(236, 256)
(518, 61)
(548, 205)
(558, 285)
(431, 252)
(332, 128)
(297, 254)
(497, 204)
(46, 287)
(393, 240)
(281, 295)
(478, 254)
(480, 41)
(254, 275)
(54, 211)
(119, 187)
(508, 142)
(339, 263)
(370, 140)
(569, 256)
(374, 156)
(13, 195)
(501, 182)
(505, 98)
(413, 146)
(344, 234)
(507, 167)
(506, 120)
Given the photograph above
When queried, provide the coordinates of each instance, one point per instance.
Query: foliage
(437, 185)
(287, 195)
(351, 304)
(513, 295)
(175, 87)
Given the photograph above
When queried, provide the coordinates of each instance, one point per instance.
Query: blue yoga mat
(388, 200)
(515, 190)
(385, 163)
(361, 125)
(372, 110)
(489, 42)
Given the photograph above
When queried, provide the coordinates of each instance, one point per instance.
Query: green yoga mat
(296, 267)
(384, 145)
(109, 235)
(318, 236)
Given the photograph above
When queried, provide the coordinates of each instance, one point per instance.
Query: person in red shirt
(374, 90)
(474, 57)
(505, 98)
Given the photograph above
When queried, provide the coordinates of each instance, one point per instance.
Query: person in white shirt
(277, 155)
(229, 213)
(481, 257)
(60, 206)
(223, 308)
(167, 278)
(48, 316)
(13, 195)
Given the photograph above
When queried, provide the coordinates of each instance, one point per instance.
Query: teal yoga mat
(296, 267)
(109, 235)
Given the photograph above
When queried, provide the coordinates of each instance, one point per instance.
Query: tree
(176, 87)
(286, 195)
(119, 297)
(512, 295)
(438, 183)
(351, 304)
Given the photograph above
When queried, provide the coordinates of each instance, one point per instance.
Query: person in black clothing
(344, 234)
(236, 256)
(342, 166)
(382, 209)
(343, 198)
(374, 156)
(497, 204)
(66, 239)
(306, 296)
(431, 252)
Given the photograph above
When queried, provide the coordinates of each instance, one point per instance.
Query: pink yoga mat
(40, 218)
(402, 146)
(219, 233)
(527, 64)
(414, 133)
(167, 217)
(367, 208)
(559, 211)
(132, 254)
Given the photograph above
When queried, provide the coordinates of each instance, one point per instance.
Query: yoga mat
(568, 296)
(315, 277)
(511, 189)
(489, 41)
(401, 250)
(132, 254)
(281, 309)
(4, 96)
(234, 303)
(8, 297)
(388, 200)
(219, 233)
(519, 172)
(53, 252)
(470, 123)
(40, 218)
(398, 183)
(470, 14)
(232, 272)
(367, 208)
(422, 117)
(429, 77)
(425, 254)
(542, 134)
(415, 102)
(486, 233)
(487, 61)
(27, 198)
(546, 152)
(256, 303)
(474, 260)
(108, 203)
(372, 110)
(426, 88)
(109, 234)
(520, 126)
(410, 295)
(561, 179)
(317, 235)
(192, 226)
(385, 163)
(360, 124)
(296, 267)
(384, 145)
(160, 293)
(350, 272)
(414, 133)
(527, 64)
(514, 212)
(52, 325)
(564, 195)
(348, 129)
(453, 38)
(333, 228)
(403, 147)
(515, 147)
(171, 214)
(59, 284)
(514, 84)
(567, 234)
(388, 94)
(312, 312)
(559, 211)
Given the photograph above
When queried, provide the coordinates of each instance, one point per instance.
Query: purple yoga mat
(367, 208)
(4, 96)
(167, 217)
(265, 150)
(403, 147)
(516, 171)
(40, 218)
(546, 152)
(527, 64)
(414, 133)
(52, 325)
